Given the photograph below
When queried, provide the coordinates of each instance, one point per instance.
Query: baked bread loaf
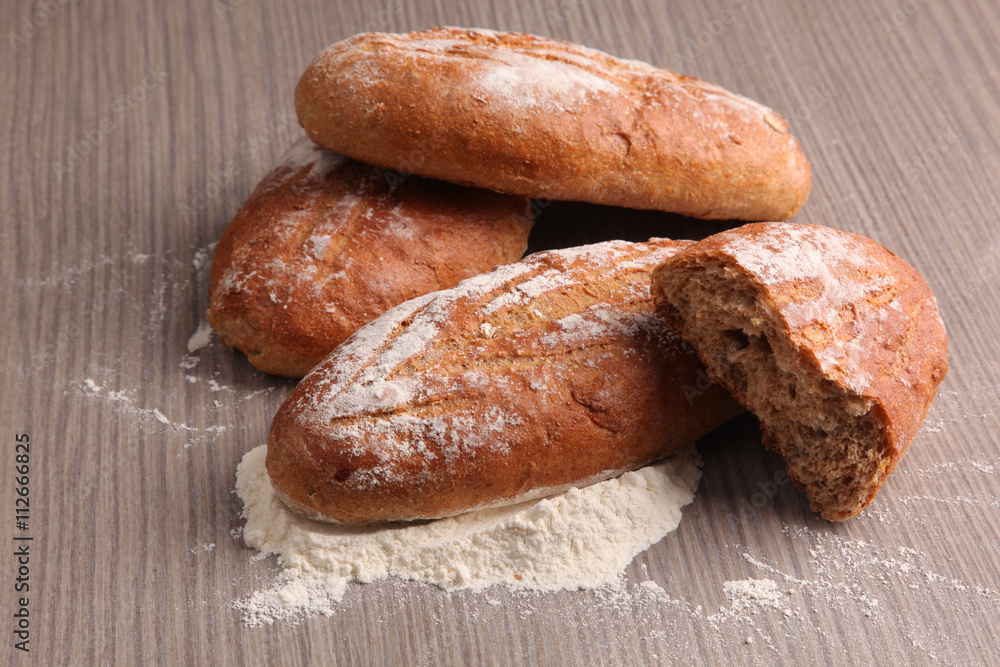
(548, 119)
(326, 244)
(834, 342)
(551, 372)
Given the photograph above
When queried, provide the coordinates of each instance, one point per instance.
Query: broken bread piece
(834, 342)
(541, 375)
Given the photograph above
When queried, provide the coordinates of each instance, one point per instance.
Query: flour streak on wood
(135, 131)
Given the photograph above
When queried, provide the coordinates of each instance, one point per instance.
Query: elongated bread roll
(326, 244)
(548, 119)
(551, 372)
(834, 342)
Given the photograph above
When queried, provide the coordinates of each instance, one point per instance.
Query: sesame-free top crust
(549, 119)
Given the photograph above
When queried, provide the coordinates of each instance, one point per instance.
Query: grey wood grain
(163, 116)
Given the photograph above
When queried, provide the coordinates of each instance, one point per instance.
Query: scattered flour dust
(581, 539)
(200, 338)
(748, 593)
(125, 403)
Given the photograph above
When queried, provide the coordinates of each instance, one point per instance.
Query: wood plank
(135, 445)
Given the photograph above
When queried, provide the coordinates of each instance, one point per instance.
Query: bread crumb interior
(824, 432)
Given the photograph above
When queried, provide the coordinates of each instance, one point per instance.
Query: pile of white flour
(580, 539)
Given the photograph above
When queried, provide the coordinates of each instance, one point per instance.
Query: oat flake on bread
(580, 539)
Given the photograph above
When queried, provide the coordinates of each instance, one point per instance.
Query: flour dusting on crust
(378, 394)
(532, 73)
(833, 280)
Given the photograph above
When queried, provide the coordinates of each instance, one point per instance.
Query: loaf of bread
(834, 342)
(548, 119)
(326, 244)
(548, 373)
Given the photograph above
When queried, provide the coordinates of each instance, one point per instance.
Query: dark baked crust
(326, 244)
(551, 372)
(835, 313)
(549, 119)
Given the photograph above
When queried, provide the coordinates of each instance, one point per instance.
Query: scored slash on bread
(549, 119)
(540, 375)
(326, 244)
(834, 342)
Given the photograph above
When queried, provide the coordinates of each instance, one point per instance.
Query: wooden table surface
(130, 133)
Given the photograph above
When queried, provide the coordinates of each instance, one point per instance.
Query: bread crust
(848, 309)
(326, 244)
(551, 372)
(550, 119)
